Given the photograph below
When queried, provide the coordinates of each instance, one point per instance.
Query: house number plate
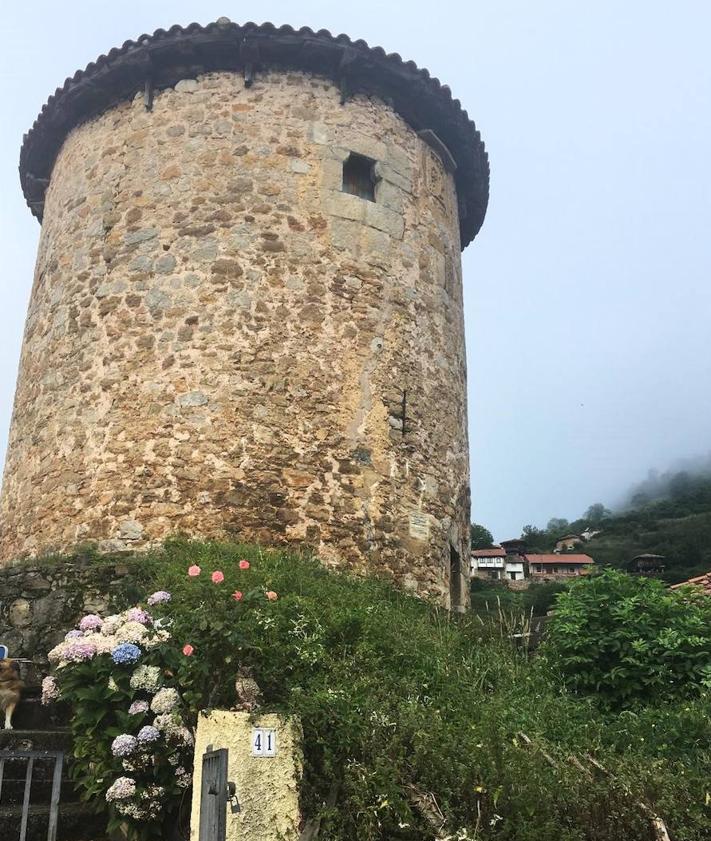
(263, 741)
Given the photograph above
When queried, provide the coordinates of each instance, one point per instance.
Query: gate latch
(235, 807)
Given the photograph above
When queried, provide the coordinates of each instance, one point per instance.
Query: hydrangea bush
(132, 743)
(136, 689)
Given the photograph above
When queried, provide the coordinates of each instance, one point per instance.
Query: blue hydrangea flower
(148, 734)
(127, 652)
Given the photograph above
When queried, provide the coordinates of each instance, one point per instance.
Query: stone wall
(221, 341)
(40, 602)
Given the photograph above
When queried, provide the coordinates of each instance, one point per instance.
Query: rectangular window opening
(359, 178)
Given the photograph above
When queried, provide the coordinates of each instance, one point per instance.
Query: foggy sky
(587, 295)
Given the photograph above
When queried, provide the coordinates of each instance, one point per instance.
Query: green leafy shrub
(628, 639)
(414, 719)
(403, 704)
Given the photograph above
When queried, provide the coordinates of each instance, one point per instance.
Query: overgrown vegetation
(537, 599)
(422, 725)
(628, 640)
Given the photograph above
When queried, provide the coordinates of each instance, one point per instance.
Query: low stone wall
(42, 600)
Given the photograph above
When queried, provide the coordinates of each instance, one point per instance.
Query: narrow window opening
(359, 177)
(455, 579)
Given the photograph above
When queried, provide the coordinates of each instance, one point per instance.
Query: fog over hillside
(667, 483)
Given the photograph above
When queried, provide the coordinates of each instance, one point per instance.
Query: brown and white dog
(10, 689)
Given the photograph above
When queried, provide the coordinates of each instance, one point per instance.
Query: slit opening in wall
(359, 178)
(456, 599)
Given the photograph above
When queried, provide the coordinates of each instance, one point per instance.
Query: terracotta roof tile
(166, 57)
(496, 552)
(554, 558)
(703, 581)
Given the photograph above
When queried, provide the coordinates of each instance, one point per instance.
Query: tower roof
(165, 57)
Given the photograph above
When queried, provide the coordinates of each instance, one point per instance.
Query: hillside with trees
(667, 514)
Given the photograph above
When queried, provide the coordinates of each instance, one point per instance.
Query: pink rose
(237, 595)
(271, 595)
(244, 564)
(194, 570)
(217, 577)
(188, 649)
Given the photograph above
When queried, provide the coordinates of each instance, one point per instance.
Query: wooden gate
(213, 796)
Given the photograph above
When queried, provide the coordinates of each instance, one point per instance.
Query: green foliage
(401, 703)
(404, 708)
(596, 514)
(542, 596)
(557, 526)
(628, 639)
(538, 599)
(668, 515)
(481, 538)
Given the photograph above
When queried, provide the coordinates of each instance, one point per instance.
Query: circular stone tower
(246, 317)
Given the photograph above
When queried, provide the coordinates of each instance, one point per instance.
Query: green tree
(557, 525)
(481, 537)
(628, 639)
(597, 512)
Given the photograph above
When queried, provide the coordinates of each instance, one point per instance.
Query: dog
(10, 689)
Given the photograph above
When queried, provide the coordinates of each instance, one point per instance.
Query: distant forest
(667, 514)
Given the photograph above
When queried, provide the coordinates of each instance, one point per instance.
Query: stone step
(32, 715)
(13, 789)
(57, 739)
(77, 822)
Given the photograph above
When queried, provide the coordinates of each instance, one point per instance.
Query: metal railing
(32, 757)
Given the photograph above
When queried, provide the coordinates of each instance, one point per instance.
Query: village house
(495, 564)
(646, 564)
(552, 567)
(567, 542)
(703, 581)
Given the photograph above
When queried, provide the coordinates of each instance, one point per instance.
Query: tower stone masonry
(246, 317)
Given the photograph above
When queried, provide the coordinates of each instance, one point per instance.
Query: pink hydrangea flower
(137, 614)
(159, 597)
(218, 577)
(194, 571)
(244, 564)
(271, 595)
(238, 595)
(188, 649)
(91, 622)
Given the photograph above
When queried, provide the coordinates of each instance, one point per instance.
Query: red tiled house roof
(703, 581)
(553, 558)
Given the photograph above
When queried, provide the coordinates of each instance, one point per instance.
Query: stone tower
(246, 317)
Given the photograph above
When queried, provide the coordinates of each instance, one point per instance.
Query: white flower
(104, 644)
(122, 788)
(165, 700)
(168, 723)
(50, 690)
(131, 631)
(112, 624)
(146, 678)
